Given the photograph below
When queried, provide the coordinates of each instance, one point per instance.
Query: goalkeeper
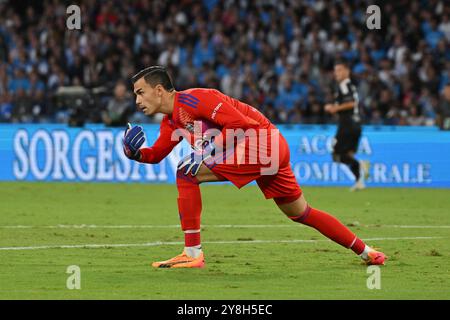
(192, 114)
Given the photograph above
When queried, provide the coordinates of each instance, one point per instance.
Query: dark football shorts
(347, 139)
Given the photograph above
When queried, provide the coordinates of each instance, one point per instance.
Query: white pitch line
(250, 226)
(411, 227)
(93, 226)
(162, 243)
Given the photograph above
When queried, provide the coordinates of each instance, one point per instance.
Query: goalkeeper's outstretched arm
(161, 148)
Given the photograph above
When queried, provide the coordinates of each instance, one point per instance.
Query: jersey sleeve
(162, 146)
(219, 109)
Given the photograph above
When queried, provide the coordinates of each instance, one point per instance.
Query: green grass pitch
(114, 231)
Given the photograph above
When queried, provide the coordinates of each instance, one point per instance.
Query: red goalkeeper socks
(189, 209)
(331, 228)
(192, 238)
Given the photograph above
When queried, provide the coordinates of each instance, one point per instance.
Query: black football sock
(353, 165)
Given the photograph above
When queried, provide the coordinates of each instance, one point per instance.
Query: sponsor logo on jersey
(213, 115)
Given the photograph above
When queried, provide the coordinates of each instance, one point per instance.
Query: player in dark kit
(349, 127)
(190, 114)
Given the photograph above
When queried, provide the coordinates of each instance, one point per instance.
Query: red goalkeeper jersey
(213, 109)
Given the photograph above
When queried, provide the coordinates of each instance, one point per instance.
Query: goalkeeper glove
(192, 162)
(132, 141)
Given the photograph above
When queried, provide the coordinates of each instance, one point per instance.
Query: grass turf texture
(417, 268)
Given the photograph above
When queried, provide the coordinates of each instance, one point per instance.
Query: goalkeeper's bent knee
(285, 200)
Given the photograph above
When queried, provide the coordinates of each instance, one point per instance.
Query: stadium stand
(275, 55)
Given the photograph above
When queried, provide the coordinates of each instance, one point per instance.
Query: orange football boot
(181, 261)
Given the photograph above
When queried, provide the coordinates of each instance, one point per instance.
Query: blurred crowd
(275, 55)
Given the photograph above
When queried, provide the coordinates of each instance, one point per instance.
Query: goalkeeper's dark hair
(155, 75)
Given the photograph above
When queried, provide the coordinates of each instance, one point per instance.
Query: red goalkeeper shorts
(281, 183)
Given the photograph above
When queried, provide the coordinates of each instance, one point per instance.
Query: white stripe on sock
(354, 240)
(192, 231)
